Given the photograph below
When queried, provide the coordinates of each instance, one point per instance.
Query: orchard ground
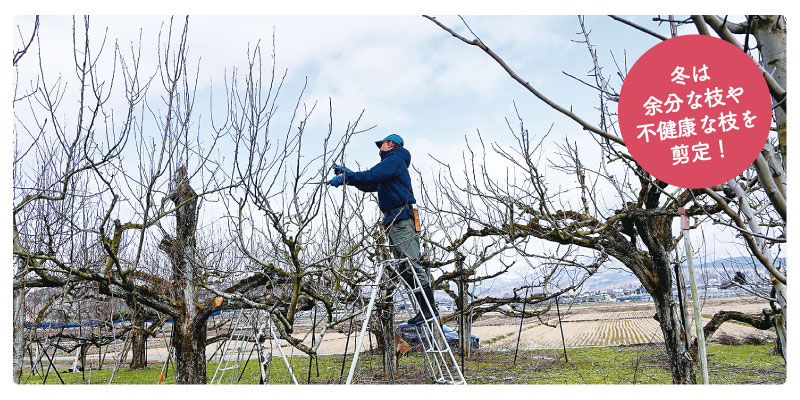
(606, 343)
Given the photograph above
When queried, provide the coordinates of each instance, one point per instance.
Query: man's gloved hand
(336, 181)
(340, 169)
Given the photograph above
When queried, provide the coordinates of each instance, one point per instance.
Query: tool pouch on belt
(417, 226)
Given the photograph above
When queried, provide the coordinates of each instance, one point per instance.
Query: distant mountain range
(614, 276)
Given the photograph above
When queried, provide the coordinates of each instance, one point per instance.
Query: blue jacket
(390, 178)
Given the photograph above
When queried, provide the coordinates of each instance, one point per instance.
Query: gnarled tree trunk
(654, 271)
(189, 333)
(385, 332)
(19, 332)
(189, 341)
(138, 342)
(681, 362)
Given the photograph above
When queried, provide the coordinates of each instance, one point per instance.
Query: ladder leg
(280, 350)
(360, 340)
(440, 347)
(440, 362)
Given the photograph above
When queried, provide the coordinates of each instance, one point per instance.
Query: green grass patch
(640, 364)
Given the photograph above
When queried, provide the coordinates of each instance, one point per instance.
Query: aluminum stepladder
(248, 330)
(246, 335)
(439, 359)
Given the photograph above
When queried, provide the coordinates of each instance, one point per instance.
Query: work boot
(427, 291)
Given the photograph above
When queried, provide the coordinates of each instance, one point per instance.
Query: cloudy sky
(404, 73)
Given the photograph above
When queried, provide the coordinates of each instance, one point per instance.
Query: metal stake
(462, 325)
(561, 328)
(521, 318)
(346, 346)
(313, 340)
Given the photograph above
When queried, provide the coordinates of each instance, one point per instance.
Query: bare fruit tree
(636, 227)
(304, 245)
(132, 196)
(462, 244)
(56, 198)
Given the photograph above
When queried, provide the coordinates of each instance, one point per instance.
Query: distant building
(634, 297)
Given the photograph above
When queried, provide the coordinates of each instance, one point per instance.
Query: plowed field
(605, 325)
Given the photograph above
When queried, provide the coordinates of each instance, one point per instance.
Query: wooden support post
(698, 322)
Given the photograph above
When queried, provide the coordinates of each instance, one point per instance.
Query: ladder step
(408, 289)
(229, 368)
(435, 348)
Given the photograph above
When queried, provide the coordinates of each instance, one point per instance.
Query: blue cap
(393, 137)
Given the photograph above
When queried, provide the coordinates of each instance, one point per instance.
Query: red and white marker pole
(698, 322)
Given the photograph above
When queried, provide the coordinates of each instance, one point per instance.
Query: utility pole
(701, 339)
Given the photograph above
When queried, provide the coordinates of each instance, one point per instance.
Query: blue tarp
(59, 325)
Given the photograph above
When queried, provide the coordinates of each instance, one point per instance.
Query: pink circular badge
(695, 111)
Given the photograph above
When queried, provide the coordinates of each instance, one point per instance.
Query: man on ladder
(390, 178)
